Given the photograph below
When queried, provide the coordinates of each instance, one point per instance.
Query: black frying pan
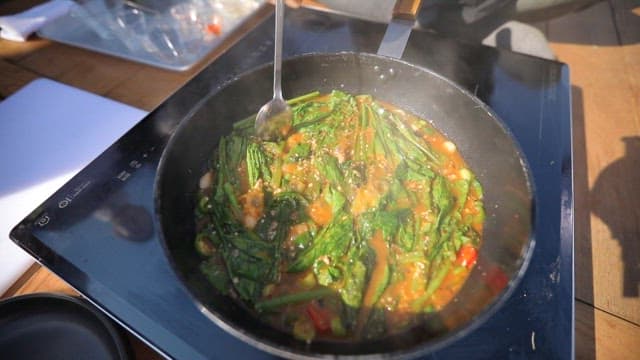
(482, 139)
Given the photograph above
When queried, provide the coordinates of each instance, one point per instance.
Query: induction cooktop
(99, 232)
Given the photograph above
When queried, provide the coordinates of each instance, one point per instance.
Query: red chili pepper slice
(467, 256)
(320, 317)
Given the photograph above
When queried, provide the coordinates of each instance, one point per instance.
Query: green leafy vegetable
(293, 298)
(217, 275)
(358, 213)
(331, 242)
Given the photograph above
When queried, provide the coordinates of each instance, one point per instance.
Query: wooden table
(601, 46)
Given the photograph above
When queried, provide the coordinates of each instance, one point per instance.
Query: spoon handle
(277, 51)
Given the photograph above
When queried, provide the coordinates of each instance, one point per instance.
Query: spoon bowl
(273, 119)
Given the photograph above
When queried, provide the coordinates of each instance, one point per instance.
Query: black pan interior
(482, 139)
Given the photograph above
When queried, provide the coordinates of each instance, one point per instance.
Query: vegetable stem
(293, 298)
(303, 98)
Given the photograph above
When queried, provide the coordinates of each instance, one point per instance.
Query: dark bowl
(56, 326)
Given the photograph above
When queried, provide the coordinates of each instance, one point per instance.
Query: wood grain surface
(602, 47)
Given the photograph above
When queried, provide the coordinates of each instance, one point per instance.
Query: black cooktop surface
(99, 231)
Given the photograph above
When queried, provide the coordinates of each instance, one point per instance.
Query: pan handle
(406, 9)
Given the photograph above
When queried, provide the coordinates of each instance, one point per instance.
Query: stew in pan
(360, 217)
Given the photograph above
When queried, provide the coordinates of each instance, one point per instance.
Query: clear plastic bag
(169, 31)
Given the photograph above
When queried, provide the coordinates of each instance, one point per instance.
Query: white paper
(48, 132)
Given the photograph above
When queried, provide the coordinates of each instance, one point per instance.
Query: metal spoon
(274, 118)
